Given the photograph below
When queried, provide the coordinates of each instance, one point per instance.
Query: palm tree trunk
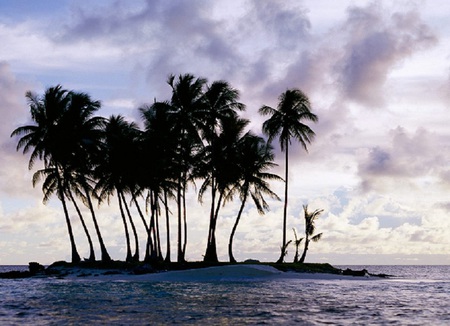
(151, 253)
(184, 222)
(154, 208)
(83, 223)
(305, 249)
(75, 256)
(283, 245)
(166, 206)
(297, 244)
(104, 252)
(233, 231)
(140, 212)
(211, 213)
(149, 245)
(157, 234)
(211, 249)
(180, 257)
(125, 226)
(133, 227)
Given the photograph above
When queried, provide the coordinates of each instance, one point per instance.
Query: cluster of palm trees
(195, 136)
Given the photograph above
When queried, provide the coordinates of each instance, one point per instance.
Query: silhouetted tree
(255, 157)
(159, 169)
(286, 123)
(84, 138)
(309, 229)
(297, 245)
(186, 115)
(221, 174)
(47, 141)
(112, 171)
(50, 186)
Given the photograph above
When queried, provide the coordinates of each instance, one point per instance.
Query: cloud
(365, 57)
(374, 44)
(359, 228)
(288, 25)
(13, 110)
(175, 37)
(404, 158)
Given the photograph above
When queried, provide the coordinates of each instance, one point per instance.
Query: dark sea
(416, 295)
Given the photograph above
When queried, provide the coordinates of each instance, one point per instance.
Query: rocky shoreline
(62, 269)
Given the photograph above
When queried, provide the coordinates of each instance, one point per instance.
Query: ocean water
(417, 295)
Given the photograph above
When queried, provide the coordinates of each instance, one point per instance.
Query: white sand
(210, 274)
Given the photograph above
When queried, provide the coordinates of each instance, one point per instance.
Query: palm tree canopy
(43, 137)
(309, 221)
(285, 122)
(187, 105)
(256, 158)
(218, 165)
(115, 168)
(64, 126)
(158, 147)
(221, 101)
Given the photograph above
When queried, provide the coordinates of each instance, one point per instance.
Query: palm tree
(47, 140)
(187, 111)
(159, 169)
(286, 122)
(309, 229)
(83, 223)
(221, 173)
(112, 171)
(84, 138)
(255, 159)
(297, 245)
(221, 101)
(49, 187)
(220, 127)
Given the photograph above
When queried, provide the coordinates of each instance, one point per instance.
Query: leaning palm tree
(47, 140)
(83, 223)
(50, 186)
(309, 229)
(84, 139)
(255, 159)
(297, 245)
(286, 122)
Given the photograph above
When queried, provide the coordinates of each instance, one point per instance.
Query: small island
(62, 269)
(196, 136)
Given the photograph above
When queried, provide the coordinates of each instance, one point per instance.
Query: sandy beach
(247, 272)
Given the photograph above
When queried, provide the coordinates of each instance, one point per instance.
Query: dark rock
(35, 268)
(351, 272)
(381, 275)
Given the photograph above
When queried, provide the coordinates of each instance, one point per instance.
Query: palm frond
(316, 237)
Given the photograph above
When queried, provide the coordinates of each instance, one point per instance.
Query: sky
(377, 74)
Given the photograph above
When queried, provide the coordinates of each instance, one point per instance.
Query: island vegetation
(196, 136)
